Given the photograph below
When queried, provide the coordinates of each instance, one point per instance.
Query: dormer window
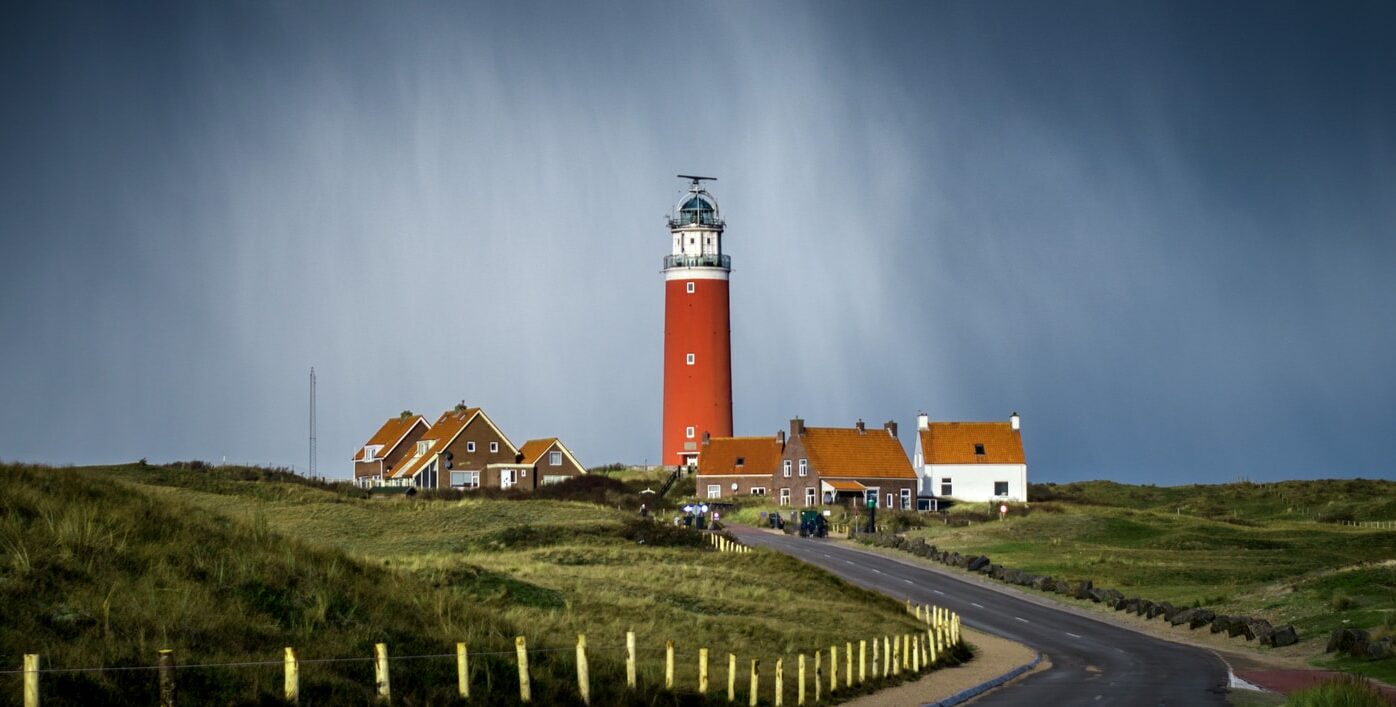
(741, 461)
(978, 450)
(422, 447)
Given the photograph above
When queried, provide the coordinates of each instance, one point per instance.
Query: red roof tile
(954, 443)
(847, 452)
(389, 435)
(759, 455)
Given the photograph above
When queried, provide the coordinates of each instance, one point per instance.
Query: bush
(1347, 691)
(1342, 602)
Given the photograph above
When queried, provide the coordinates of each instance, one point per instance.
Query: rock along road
(1093, 662)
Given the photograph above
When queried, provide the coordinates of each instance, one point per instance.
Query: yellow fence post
(906, 650)
(165, 665)
(918, 612)
(31, 680)
(780, 682)
(896, 657)
(752, 695)
(915, 653)
(521, 650)
(731, 677)
(886, 656)
(630, 659)
(380, 671)
(703, 671)
(833, 669)
(931, 645)
(463, 669)
(874, 663)
(818, 674)
(583, 678)
(848, 664)
(669, 665)
(800, 685)
(293, 678)
(862, 660)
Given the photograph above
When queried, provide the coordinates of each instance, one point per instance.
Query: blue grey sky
(1165, 233)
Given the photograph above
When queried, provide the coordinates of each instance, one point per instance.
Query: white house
(971, 461)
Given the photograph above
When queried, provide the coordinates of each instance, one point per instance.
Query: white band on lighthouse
(695, 274)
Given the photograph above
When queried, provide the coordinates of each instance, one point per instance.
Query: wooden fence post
(380, 671)
(521, 650)
(848, 664)
(630, 659)
(906, 651)
(583, 679)
(752, 696)
(874, 663)
(800, 686)
(731, 677)
(463, 669)
(862, 660)
(165, 665)
(818, 675)
(886, 656)
(703, 671)
(780, 682)
(31, 680)
(293, 678)
(669, 665)
(896, 657)
(915, 653)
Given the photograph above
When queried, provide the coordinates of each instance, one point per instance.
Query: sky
(1163, 233)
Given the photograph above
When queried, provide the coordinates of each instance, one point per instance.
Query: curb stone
(980, 689)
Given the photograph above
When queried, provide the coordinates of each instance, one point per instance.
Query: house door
(506, 478)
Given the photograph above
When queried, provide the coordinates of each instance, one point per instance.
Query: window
(889, 501)
(758, 490)
(741, 461)
(465, 479)
(422, 447)
(690, 359)
(470, 446)
(810, 496)
(906, 499)
(506, 478)
(1000, 488)
(785, 497)
(978, 450)
(554, 479)
(692, 287)
(714, 491)
(945, 487)
(688, 433)
(804, 467)
(494, 447)
(554, 458)
(785, 469)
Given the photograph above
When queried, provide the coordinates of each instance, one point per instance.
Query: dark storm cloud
(1164, 234)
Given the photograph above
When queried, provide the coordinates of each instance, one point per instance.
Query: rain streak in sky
(1164, 233)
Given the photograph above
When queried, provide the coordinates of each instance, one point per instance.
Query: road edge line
(977, 690)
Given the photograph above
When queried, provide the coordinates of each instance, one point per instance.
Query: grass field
(102, 566)
(1251, 549)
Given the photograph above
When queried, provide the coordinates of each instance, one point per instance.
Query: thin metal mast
(312, 421)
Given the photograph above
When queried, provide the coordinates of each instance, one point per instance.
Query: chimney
(861, 427)
(1013, 421)
(923, 421)
(891, 427)
(780, 439)
(797, 427)
(707, 438)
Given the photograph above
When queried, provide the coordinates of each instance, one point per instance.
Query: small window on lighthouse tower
(691, 288)
(689, 433)
(690, 359)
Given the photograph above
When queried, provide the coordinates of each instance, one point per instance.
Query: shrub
(1347, 691)
(1342, 602)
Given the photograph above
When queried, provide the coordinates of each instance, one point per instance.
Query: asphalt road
(1093, 662)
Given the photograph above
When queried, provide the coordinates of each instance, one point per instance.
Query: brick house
(550, 461)
(828, 465)
(732, 466)
(393, 440)
(463, 450)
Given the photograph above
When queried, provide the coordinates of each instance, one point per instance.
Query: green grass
(102, 566)
(1348, 692)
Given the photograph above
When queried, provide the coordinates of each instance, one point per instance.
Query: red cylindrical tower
(697, 329)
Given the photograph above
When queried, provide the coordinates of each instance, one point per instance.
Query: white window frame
(690, 432)
(890, 501)
(811, 496)
(692, 287)
(758, 491)
(804, 467)
(471, 480)
(785, 468)
(785, 497)
(906, 499)
(470, 447)
(714, 490)
(690, 359)
(554, 458)
(1006, 487)
(494, 447)
(507, 479)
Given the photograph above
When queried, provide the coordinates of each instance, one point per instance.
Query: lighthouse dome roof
(698, 209)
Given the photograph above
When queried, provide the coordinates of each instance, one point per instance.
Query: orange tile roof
(441, 433)
(953, 443)
(759, 455)
(389, 435)
(846, 485)
(534, 449)
(846, 452)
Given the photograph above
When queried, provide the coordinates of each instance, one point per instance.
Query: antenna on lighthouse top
(697, 182)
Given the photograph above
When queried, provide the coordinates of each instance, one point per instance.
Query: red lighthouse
(697, 328)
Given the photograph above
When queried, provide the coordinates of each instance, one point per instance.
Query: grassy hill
(103, 566)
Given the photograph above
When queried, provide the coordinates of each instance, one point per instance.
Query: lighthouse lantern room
(697, 328)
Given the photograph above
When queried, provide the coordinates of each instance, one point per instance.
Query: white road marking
(1022, 619)
(1072, 634)
(937, 591)
(979, 606)
(878, 571)
(908, 581)
(826, 555)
